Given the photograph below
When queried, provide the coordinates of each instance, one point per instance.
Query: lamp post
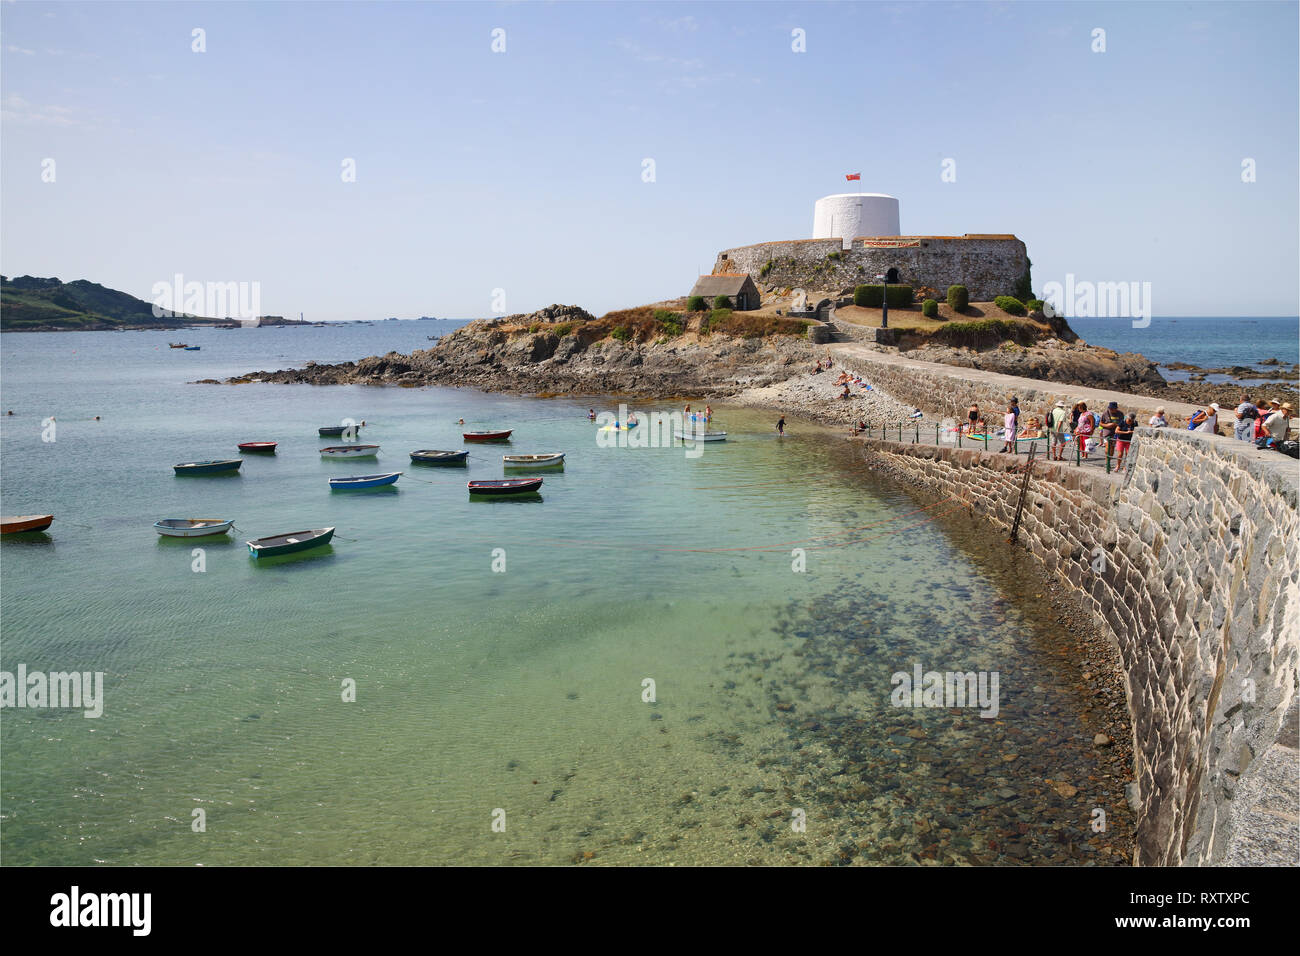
(884, 301)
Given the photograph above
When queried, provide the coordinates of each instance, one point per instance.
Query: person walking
(780, 427)
(1124, 437)
(1056, 420)
(1158, 420)
(1083, 429)
(1009, 429)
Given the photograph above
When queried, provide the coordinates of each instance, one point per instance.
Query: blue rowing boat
(364, 481)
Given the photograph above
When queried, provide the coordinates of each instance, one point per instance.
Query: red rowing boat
(487, 436)
(258, 445)
(15, 523)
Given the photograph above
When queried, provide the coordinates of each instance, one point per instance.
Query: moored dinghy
(192, 527)
(14, 524)
(432, 456)
(263, 447)
(690, 435)
(508, 486)
(364, 481)
(333, 431)
(488, 436)
(349, 451)
(213, 467)
(533, 461)
(290, 543)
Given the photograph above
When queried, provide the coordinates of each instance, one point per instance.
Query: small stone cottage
(736, 286)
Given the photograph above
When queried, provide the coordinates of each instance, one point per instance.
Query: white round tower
(849, 215)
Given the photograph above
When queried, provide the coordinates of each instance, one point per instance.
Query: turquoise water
(478, 690)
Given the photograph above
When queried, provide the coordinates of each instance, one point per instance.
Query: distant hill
(29, 303)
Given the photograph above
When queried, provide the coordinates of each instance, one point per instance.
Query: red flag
(853, 176)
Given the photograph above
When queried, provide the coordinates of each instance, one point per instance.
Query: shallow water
(480, 691)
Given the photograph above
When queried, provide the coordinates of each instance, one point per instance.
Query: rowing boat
(333, 431)
(192, 527)
(258, 446)
(431, 456)
(364, 481)
(349, 451)
(289, 543)
(533, 461)
(176, 345)
(192, 348)
(13, 524)
(690, 435)
(208, 467)
(487, 436)
(508, 486)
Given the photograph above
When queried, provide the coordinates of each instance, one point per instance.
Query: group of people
(1062, 427)
(1267, 424)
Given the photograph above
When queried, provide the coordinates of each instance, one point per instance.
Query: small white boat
(533, 461)
(689, 435)
(192, 527)
(349, 451)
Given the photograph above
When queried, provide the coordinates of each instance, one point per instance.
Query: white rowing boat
(533, 461)
(690, 435)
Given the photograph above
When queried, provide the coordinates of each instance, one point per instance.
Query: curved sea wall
(988, 266)
(1190, 562)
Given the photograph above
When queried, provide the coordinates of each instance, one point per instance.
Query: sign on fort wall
(988, 266)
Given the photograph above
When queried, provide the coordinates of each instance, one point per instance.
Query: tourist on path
(1278, 425)
(1247, 412)
(1009, 429)
(1056, 421)
(1110, 422)
(1207, 420)
(1158, 420)
(1083, 429)
(973, 417)
(1124, 437)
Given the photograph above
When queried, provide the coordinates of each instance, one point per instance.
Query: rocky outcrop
(498, 355)
(1053, 360)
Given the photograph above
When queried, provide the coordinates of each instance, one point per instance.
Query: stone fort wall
(988, 266)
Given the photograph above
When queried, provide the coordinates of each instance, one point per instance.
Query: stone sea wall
(987, 265)
(1191, 564)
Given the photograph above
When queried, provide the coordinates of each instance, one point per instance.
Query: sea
(663, 658)
(1204, 341)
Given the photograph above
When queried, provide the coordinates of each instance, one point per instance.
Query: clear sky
(523, 170)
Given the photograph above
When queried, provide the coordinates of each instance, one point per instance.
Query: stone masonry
(1190, 562)
(988, 266)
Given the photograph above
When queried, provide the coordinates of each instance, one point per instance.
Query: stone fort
(850, 247)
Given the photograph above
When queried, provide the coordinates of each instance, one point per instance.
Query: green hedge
(721, 302)
(930, 309)
(1010, 305)
(870, 296)
(696, 303)
(958, 297)
(1034, 305)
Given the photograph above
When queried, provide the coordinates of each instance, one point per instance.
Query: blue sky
(522, 170)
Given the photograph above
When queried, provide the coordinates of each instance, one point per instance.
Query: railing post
(936, 433)
(900, 433)
(986, 439)
(917, 437)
